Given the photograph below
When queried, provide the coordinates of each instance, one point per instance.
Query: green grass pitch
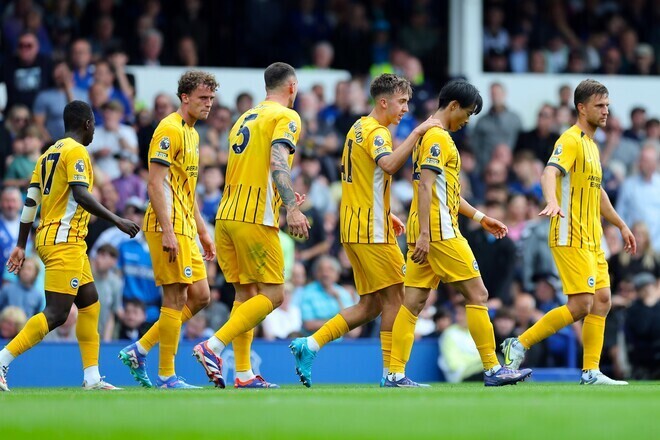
(464, 411)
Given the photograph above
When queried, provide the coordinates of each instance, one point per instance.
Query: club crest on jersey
(403, 269)
(80, 166)
(475, 265)
(435, 150)
(164, 143)
(293, 127)
(379, 141)
(558, 150)
(591, 281)
(187, 271)
(74, 283)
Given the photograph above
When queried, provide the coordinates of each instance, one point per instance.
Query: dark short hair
(637, 110)
(586, 89)
(389, 84)
(192, 79)
(107, 249)
(463, 92)
(276, 74)
(137, 303)
(75, 115)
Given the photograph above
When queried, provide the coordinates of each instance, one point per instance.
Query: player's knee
(276, 298)
(580, 308)
(55, 318)
(477, 297)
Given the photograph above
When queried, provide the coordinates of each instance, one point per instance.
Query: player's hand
(208, 245)
(421, 248)
(629, 242)
(16, 259)
(128, 227)
(424, 126)
(552, 209)
(171, 245)
(300, 199)
(494, 226)
(298, 223)
(397, 224)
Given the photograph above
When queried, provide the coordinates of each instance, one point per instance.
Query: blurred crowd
(502, 164)
(611, 37)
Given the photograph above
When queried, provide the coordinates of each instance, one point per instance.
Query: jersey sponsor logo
(164, 143)
(187, 271)
(591, 281)
(435, 150)
(379, 141)
(293, 127)
(475, 265)
(558, 150)
(74, 283)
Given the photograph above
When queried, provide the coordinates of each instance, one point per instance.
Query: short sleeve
(165, 143)
(563, 156)
(287, 130)
(431, 154)
(34, 181)
(78, 166)
(380, 143)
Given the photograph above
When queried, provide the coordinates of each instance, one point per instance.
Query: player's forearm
(608, 211)
(464, 208)
(394, 161)
(23, 234)
(281, 173)
(549, 185)
(424, 207)
(85, 199)
(199, 221)
(157, 198)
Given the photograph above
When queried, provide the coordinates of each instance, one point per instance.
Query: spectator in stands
(644, 60)
(26, 73)
(134, 208)
(12, 321)
(504, 325)
(307, 251)
(519, 53)
(499, 125)
(109, 287)
(186, 52)
(526, 314)
(23, 293)
(104, 40)
(151, 46)
(537, 62)
(527, 171)
(556, 54)
(213, 180)
(536, 256)
(192, 20)
(351, 40)
(285, 322)
(105, 74)
(132, 325)
(16, 119)
(459, 358)
(496, 258)
(577, 62)
(128, 184)
(49, 103)
(244, 102)
(653, 130)
(541, 140)
(496, 60)
(197, 327)
(215, 131)
(11, 203)
(322, 55)
(163, 106)
(612, 63)
(299, 281)
(643, 329)
(111, 139)
(623, 265)
(619, 148)
(639, 198)
(27, 149)
(637, 129)
(81, 62)
(319, 193)
(516, 217)
(323, 298)
(217, 311)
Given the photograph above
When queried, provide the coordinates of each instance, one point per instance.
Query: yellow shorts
(375, 266)
(581, 270)
(249, 253)
(67, 267)
(448, 261)
(186, 269)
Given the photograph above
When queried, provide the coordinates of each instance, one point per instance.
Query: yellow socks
(593, 335)
(33, 332)
(386, 348)
(551, 323)
(335, 328)
(481, 331)
(403, 336)
(246, 317)
(152, 336)
(242, 345)
(170, 328)
(88, 335)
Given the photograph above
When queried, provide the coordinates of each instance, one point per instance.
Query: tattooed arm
(281, 174)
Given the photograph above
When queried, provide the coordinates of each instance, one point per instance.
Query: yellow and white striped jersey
(437, 152)
(250, 194)
(64, 164)
(175, 144)
(578, 191)
(365, 199)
